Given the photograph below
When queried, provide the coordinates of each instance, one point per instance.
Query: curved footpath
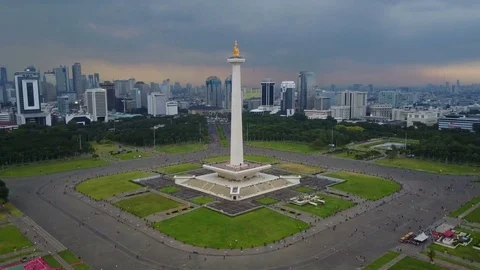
(105, 243)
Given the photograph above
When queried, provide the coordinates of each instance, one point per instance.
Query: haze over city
(408, 42)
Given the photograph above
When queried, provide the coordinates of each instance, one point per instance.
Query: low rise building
(428, 118)
(465, 123)
(340, 112)
(381, 111)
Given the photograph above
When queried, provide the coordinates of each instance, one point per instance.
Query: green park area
(300, 168)
(11, 239)
(170, 189)
(286, 146)
(73, 260)
(466, 252)
(409, 263)
(108, 186)
(462, 209)
(378, 263)
(304, 189)
(201, 200)
(8, 208)
(145, 205)
(53, 166)
(115, 151)
(365, 146)
(429, 166)
(331, 206)
(365, 186)
(259, 159)
(184, 167)
(180, 148)
(474, 216)
(52, 262)
(267, 200)
(206, 228)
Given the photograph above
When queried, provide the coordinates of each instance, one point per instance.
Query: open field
(297, 147)
(332, 206)
(169, 189)
(259, 159)
(462, 209)
(429, 166)
(365, 186)
(8, 208)
(202, 200)
(180, 148)
(52, 262)
(12, 239)
(68, 256)
(304, 189)
(300, 168)
(267, 200)
(184, 167)
(467, 252)
(108, 186)
(206, 228)
(53, 166)
(409, 263)
(378, 263)
(145, 205)
(369, 145)
(474, 216)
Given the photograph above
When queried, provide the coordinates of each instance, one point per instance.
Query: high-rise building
(321, 102)
(332, 87)
(62, 80)
(458, 85)
(91, 82)
(357, 101)
(49, 86)
(214, 91)
(370, 87)
(63, 104)
(96, 101)
(96, 79)
(389, 97)
(3, 84)
(228, 92)
(29, 110)
(110, 88)
(157, 104)
(136, 96)
(144, 90)
(77, 79)
(447, 86)
(306, 90)
(287, 96)
(268, 90)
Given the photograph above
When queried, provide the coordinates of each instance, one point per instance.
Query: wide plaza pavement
(104, 242)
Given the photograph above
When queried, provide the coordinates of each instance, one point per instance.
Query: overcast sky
(384, 42)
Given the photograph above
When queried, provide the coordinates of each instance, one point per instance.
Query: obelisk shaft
(236, 138)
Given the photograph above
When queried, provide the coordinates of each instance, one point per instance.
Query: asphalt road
(105, 243)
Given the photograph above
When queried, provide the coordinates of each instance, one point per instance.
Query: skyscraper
(228, 92)
(214, 91)
(287, 98)
(306, 90)
(3, 84)
(389, 97)
(111, 99)
(96, 101)
(91, 82)
(77, 79)
(49, 86)
(357, 103)
(62, 80)
(157, 104)
(268, 88)
(96, 79)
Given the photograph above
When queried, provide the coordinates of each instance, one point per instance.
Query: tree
(431, 255)
(3, 191)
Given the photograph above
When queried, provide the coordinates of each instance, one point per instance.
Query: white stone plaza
(237, 179)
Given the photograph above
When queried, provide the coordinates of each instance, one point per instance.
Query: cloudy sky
(385, 42)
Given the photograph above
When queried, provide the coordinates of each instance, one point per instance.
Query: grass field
(18, 256)
(81, 266)
(429, 166)
(286, 146)
(53, 166)
(170, 189)
(206, 228)
(467, 252)
(104, 149)
(452, 261)
(300, 168)
(267, 200)
(11, 238)
(409, 263)
(332, 206)
(371, 144)
(52, 262)
(378, 263)
(180, 148)
(8, 208)
(365, 186)
(304, 189)
(259, 159)
(345, 154)
(462, 209)
(108, 186)
(184, 167)
(474, 216)
(145, 205)
(202, 200)
(68, 256)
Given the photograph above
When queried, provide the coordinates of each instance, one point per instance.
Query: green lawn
(11, 238)
(17, 256)
(206, 228)
(145, 205)
(474, 216)
(300, 168)
(378, 263)
(53, 166)
(286, 146)
(202, 200)
(180, 148)
(8, 208)
(52, 262)
(429, 166)
(345, 154)
(68, 256)
(184, 167)
(81, 266)
(467, 252)
(259, 159)
(104, 149)
(370, 145)
(304, 189)
(133, 155)
(462, 209)
(332, 206)
(108, 186)
(170, 189)
(409, 263)
(365, 186)
(267, 200)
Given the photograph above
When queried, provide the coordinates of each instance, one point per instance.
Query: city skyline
(394, 43)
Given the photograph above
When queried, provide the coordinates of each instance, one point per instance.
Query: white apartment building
(340, 112)
(157, 104)
(171, 108)
(357, 101)
(428, 118)
(381, 111)
(96, 101)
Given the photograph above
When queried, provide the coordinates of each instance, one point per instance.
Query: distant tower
(306, 90)
(214, 91)
(62, 78)
(268, 88)
(287, 98)
(96, 101)
(3, 83)
(77, 79)
(228, 92)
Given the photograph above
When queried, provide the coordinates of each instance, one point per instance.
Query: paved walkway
(471, 209)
